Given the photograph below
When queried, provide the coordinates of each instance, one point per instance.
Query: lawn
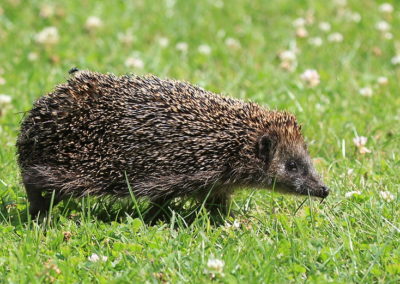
(334, 64)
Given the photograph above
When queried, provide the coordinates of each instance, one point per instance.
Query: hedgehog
(159, 139)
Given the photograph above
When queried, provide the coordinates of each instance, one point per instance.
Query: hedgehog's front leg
(37, 203)
(158, 209)
(217, 202)
(220, 205)
(35, 187)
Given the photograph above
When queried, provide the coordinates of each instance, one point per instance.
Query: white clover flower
(386, 8)
(235, 224)
(204, 49)
(288, 66)
(341, 2)
(366, 92)
(163, 41)
(309, 17)
(134, 62)
(364, 150)
(316, 41)
(95, 258)
(232, 42)
(48, 36)
(395, 60)
(288, 60)
(33, 56)
(335, 37)
(324, 26)
(126, 38)
(388, 36)
(387, 196)
(215, 265)
(319, 107)
(287, 55)
(170, 3)
(382, 26)
(218, 4)
(301, 32)
(310, 77)
(93, 23)
(46, 11)
(350, 171)
(350, 194)
(382, 81)
(360, 141)
(299, 23)
(355, 17)
(5, 99)
(182, 46)
(221, 33)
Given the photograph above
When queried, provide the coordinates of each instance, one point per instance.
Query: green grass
(342, 240)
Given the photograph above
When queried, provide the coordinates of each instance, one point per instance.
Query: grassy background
(343, 240)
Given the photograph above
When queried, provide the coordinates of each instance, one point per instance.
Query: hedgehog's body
(98, 132)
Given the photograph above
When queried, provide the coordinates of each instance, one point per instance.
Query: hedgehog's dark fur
(167, 138)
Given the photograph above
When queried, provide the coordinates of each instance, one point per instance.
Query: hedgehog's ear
(265, 148)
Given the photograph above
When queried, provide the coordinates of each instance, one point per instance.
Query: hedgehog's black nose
(324, 191)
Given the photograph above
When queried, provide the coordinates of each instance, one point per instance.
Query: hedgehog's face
(290, 166)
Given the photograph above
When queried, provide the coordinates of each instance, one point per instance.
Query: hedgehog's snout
(306, 181)
(324, 191)
(321, 191)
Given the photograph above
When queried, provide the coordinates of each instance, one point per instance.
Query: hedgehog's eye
(291, 166)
